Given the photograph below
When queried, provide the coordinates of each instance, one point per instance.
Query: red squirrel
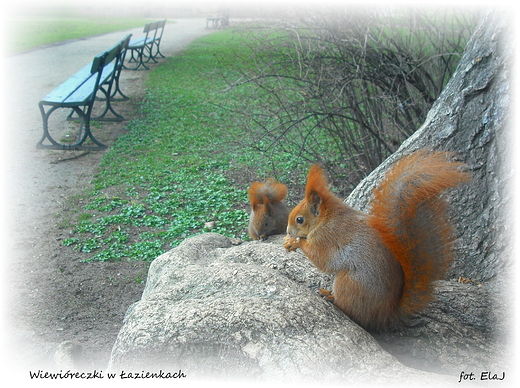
(269, 212)
(385, 262)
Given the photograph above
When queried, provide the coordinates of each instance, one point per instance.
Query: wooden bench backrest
(160, 25)
(157, 28)
(154, 26)
(124, 45)
(150, 27)
(124, 42)
(103, 59)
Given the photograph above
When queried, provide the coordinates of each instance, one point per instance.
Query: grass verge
(24, 35)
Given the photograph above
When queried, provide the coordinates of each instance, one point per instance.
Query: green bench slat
(83, 93)
(138, 43)
(79, 87)
(67, 88)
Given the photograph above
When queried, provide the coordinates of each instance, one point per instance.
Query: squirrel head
(268, 212)
(304, 217)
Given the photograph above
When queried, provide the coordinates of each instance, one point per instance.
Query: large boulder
(212, 309)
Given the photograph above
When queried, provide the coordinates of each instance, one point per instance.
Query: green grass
(181, 169)
(24, 35)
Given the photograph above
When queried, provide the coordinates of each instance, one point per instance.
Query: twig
(59, 160)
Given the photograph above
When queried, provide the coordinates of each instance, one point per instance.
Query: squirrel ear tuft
(316, 188)
(316, 181)
(278, 190)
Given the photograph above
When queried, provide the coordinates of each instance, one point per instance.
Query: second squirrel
(269, 212)
(386, 261)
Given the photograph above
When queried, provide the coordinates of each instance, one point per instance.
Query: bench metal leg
(87, 133)
(117, 90)
(139, 60)
(158, 53)
(46, 134)
(108, 107)
(83, 135)
(150, 56)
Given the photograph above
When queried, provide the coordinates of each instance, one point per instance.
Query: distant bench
(79, 93)
(147, 47)
(214, 22)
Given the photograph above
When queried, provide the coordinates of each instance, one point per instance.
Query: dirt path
(49, 295)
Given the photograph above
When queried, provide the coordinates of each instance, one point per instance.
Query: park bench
(212, 23)
(217, 22)
(115, 67)
(79, 94)
(147, 47)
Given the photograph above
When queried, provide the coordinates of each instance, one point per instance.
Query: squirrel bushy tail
(410, 216)
(271, 191)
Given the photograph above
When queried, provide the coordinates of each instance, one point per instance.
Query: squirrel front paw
(291, 243)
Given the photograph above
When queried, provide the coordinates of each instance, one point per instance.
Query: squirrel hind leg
(368, 310)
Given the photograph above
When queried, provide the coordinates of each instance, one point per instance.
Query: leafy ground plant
(181, 169)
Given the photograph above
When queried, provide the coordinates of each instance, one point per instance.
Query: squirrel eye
(299, 220)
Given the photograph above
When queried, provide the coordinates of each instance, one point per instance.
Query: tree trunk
(472, 118)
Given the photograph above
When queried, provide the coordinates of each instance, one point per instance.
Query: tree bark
(471, 118)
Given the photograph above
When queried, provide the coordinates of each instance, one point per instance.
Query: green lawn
(182, 169)
(24, 35)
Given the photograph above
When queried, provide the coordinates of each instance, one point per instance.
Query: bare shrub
(344, 88)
